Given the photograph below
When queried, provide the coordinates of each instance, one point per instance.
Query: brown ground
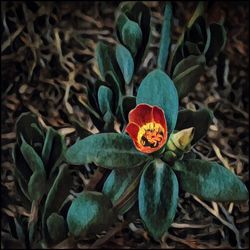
(47, 58)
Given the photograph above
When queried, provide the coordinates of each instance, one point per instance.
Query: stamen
(150, 135)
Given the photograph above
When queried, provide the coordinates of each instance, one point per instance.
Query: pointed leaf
(158, 197)
(109, 150)
(47, 146)
(37, 182)
(157, 89)
(210, 181)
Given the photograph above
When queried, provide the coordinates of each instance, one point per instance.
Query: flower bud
(181, 140)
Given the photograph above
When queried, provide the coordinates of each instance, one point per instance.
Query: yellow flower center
(150, 134)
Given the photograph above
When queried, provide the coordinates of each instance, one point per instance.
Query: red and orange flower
(147, 127)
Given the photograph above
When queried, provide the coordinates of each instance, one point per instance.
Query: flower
(147, 127)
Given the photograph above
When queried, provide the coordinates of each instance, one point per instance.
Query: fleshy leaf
(140, 13)
(131, 36)
(89, 213)
(157, 89)
(105, 100)
(109, 150)
(57, 227)
(27, 125)
(22, 167)
(125, 62)
(105, 57)
(200, 120)
(57, 193)
(165, 37)
(158, 197)
(47, 146)
(210, 181)
(56, 154)
(105, 97)
(218, 41)
(37, 182)
(119, 183)
(187, 73)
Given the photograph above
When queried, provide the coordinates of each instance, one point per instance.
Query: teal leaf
(37, 185)
(158, 197)
(157, 89)
(121, 20)
(131, 36)
(119, 182)
(177, 54)
(22, 167)
(106, 61)
(47, 146)
(109, 150)
(165, 37)
(89, 213)
(105, 99)
(117, 90)
(103, 57)
(56, 154)
(140, 14)
(125, 62)
(210, 181)
(187, 73)
(57, 194)
(200, 120)
(37, 182)
(57, 227)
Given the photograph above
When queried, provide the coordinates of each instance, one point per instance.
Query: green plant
(43, 181)
(152, 169)
(151, 164)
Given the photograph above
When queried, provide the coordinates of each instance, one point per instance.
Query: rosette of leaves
(151, 179)
(154, 179)
(111, 97)
(43, 183)
(198, 45)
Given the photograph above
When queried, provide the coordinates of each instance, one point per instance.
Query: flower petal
(132, 129)
(159, 117)
(141, 114)
(149, 150)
